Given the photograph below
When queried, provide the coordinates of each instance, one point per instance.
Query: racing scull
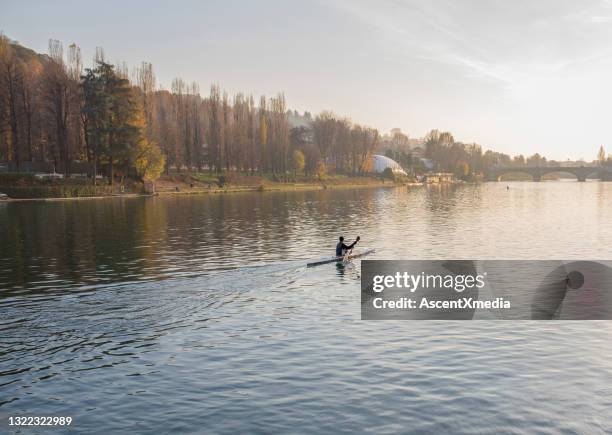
(340, 259)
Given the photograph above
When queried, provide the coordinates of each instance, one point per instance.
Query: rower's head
(341, 239)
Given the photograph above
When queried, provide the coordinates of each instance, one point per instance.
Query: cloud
(495, 42)
(601, 19)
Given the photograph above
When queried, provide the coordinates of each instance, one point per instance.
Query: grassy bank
(26, 186)
(63, 191)
(186, 183)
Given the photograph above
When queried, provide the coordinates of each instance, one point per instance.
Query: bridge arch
(499, 175)
(580, 172)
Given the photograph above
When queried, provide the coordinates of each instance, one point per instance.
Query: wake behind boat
(341, 258)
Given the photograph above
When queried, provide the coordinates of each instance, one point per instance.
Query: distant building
(438, 177)
(380, 163)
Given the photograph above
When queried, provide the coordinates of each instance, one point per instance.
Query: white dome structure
(380, 163)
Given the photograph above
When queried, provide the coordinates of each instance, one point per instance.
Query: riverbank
(200, 184)
(27, 188)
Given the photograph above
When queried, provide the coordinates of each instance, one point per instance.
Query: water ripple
(172, 314)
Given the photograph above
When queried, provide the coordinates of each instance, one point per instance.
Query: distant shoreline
(28, 188)
(228, 190)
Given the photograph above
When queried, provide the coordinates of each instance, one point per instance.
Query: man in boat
(341, 248)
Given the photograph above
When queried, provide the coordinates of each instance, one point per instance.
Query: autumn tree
(146, 156)
(298, 161)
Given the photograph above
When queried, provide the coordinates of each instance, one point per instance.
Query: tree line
(464, 160)
(121, 123)
(444, 154)
(460, 158)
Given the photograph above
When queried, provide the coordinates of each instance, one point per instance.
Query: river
(197, 313)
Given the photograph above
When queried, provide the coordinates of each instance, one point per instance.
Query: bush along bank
(27, 186)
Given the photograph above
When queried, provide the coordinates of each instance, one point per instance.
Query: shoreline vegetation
(25, 187)
(20, 187)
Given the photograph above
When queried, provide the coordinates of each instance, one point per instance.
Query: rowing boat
(340, 259)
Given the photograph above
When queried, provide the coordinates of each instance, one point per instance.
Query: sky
(514, 76)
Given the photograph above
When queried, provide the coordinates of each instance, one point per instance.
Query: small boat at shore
(342, 259)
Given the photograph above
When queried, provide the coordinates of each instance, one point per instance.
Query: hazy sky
(515, 76)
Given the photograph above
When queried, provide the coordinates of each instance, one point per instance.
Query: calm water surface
(197, 314)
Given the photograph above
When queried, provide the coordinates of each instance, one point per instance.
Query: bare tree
(324, 131)
(225, 131)
(263, 135)
(10, 83)
(145, 79)
(214, 129)
(279, 133)
(56, 97)
(251, 134)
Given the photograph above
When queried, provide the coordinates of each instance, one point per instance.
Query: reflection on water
(198, 311)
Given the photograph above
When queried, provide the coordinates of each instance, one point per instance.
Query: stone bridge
(580, 172)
